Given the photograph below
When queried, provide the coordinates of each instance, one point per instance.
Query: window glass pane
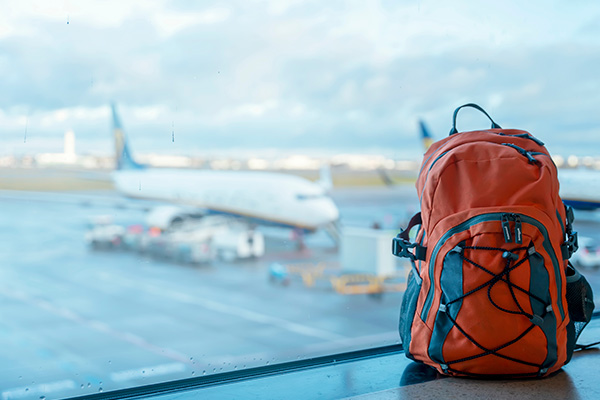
(188, 189)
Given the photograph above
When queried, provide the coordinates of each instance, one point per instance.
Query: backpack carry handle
(475, 106)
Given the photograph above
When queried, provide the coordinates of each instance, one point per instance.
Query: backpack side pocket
(580, 300)
(407, 311)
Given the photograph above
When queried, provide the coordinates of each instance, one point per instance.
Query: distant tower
(69, 149)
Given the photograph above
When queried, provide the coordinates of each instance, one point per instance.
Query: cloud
(275, 73)
(170, 23)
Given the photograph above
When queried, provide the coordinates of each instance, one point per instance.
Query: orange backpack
(487, 293)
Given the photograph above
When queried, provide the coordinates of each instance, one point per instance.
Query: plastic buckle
(401, 246)
(572, 243)
(537, 320)
(457, 249)
(510, 256)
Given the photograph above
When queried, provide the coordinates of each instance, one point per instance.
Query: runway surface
(75, 321)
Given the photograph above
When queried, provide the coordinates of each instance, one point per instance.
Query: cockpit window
(309, 196)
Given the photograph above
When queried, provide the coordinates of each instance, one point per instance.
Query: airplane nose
(317, 213)
(330, 211)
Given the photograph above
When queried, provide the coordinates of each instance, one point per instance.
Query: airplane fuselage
(273, 198)
(580, 188)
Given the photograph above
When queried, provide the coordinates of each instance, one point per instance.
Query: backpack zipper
(524, 136)
(506, 227)
(506, 219)
(526, 153)
(518, 230)
(521, 150)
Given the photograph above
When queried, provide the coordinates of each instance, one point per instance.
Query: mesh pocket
(580, 297)
(580, 300)
(407, 310)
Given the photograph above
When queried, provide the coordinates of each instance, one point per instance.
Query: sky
(192, 76)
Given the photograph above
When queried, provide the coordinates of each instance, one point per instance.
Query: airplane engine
(167, 217)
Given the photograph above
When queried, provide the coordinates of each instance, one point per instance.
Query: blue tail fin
(425, 135)
(123, 157)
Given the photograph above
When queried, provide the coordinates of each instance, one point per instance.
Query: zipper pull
(506, 228)
(518, 230)
(530, 158)
(524, 136)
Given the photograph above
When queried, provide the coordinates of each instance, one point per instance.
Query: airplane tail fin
(427, 141)
(425, 135)
(123, 157)
(325, 180)
(385, 177)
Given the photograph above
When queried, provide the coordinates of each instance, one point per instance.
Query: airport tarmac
(75, 321)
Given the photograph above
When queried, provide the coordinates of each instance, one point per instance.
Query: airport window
(187, 190)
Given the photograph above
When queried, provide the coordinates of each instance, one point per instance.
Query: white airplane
(580, 188)
(263, 198)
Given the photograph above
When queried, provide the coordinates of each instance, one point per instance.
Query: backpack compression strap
(571, 244)
(401, 246)
(512, 261)
(401, 243)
